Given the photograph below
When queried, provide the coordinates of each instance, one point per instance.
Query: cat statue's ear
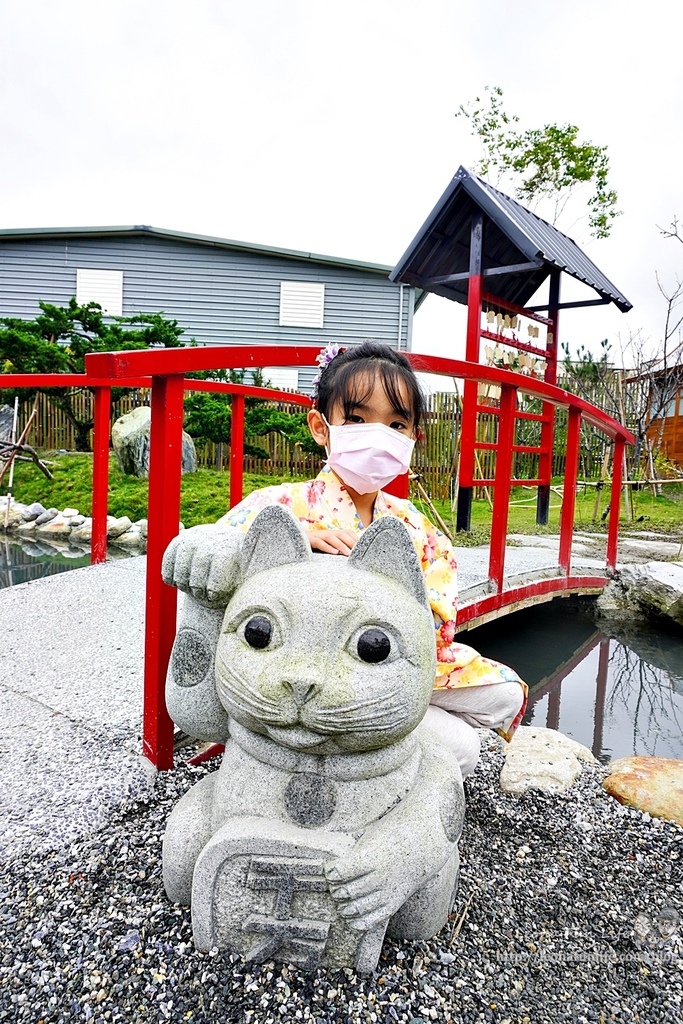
(385, 547)
(274, 538)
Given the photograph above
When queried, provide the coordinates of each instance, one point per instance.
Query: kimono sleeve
(242, 515)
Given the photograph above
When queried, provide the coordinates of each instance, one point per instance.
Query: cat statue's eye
(258, 632)
(373, 646)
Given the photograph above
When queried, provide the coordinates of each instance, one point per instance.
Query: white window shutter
(285, 377)
(103, 286)
(302, 304)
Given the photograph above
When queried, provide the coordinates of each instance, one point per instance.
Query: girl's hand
(332, 542)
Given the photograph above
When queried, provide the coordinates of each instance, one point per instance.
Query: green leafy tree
(208, 416)
(58, 340)
(542, 163)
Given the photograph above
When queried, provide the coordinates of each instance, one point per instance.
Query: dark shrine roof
(512, 235)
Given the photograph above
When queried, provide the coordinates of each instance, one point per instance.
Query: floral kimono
(324, 504)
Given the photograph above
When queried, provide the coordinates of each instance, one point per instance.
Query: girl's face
(375, 409)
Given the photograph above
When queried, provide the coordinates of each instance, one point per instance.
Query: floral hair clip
(323, 359)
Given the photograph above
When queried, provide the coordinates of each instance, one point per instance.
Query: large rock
(6, 421)
(130, 440)
(82, 534)
(542, 759)
(653, 590)
(117, 527)
(651, 784)
(335, 815)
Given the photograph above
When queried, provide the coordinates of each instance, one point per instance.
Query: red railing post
(236, 450)
(614, 503)
(501, 494)
(163, 516)
(569, 496)
(100, 475)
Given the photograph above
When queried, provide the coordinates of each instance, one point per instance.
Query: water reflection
(22, 560)
(617, 690)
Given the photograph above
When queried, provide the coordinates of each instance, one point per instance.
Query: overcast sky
(330, 127)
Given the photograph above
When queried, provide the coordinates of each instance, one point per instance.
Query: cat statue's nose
(302, 689)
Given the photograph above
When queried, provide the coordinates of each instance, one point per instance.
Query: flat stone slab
(542, 759)
(651, 784)
(59, 780)
(70, 704)
(74, 642)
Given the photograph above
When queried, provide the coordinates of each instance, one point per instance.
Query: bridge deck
(532, 576)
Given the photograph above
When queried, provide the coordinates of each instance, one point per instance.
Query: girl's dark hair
(348, 381)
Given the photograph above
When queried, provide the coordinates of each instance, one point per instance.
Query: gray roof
(183, 236)
(512, 235)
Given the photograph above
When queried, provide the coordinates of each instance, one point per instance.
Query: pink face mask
(368, 456)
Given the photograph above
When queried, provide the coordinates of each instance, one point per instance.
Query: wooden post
(468, 437)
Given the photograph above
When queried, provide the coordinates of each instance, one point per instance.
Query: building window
(301, 304)
(102, 286)
(284, 377)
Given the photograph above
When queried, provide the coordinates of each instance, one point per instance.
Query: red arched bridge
(164, 371)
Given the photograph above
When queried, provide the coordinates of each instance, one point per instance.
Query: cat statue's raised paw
(334, 816)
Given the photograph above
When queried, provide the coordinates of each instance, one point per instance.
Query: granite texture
(542, 759)
(335, 815)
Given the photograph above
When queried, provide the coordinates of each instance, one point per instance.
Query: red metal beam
(472, 611)
(124, 365)
(614, 505)
(247, 391)
(236, 450)
(500, 339)
(163, 517)
(501, 494)
(571, 471)
(510, 307)
(167, 367)
(145, 362)
(100, 475)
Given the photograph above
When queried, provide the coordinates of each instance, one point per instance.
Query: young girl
(367, 414)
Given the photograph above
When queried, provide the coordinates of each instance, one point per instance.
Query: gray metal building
(220, 291)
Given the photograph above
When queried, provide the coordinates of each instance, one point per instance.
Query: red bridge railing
(164, 370)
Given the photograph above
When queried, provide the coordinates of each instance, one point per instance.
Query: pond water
(21, 561)
(616, 689)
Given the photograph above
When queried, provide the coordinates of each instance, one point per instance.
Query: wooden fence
(435, 459)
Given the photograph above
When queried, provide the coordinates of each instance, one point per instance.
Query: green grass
(204, 496)
(657, 514)
(204, 499)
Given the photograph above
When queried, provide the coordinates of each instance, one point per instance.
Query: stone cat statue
(334, 816)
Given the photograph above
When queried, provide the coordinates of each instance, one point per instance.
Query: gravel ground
(542, 929)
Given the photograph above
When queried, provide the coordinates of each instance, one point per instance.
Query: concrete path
(71, 669)
(70, 704)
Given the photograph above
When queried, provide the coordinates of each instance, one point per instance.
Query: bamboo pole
(430, 505)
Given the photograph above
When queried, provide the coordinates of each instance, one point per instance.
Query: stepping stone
(650, 784)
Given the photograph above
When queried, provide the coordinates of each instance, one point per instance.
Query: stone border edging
(34, 520)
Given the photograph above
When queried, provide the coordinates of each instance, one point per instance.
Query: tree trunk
(81, 428)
